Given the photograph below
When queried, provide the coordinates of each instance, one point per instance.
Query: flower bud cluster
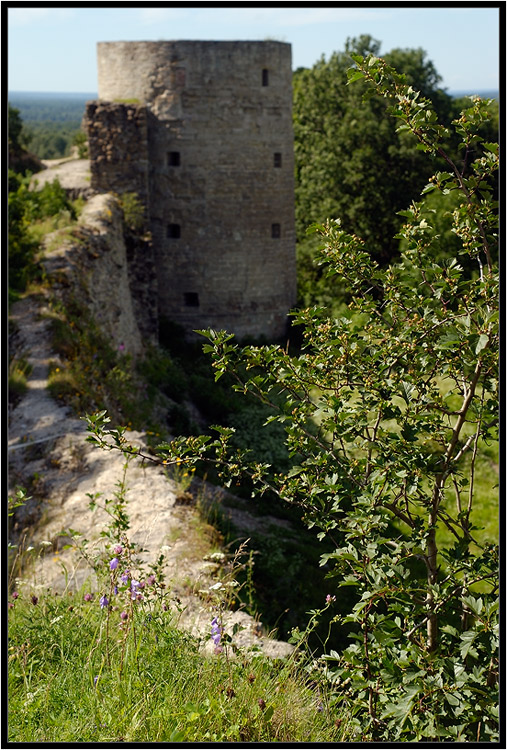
(123, 582)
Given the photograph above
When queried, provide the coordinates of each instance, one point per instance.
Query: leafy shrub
(134, 211)
(180, 422)
(51, 200)
(164, 373)
(388, 456)
(81, 141)
(264, 441)
(91, 374)
(26, 207)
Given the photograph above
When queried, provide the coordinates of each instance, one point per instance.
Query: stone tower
(202, 131)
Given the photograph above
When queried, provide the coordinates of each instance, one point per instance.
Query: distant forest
(51, 121)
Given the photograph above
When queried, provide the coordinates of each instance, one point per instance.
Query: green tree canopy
(20, 160)
(15, 128)
(350, 160)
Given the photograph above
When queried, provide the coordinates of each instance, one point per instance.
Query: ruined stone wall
(221, 183)
(110, 273)
(118, 147)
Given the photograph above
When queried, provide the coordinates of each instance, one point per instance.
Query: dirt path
(73, 175)
(37, 417)
(48, 454)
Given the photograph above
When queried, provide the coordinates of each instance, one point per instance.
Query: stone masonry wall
(117, 143)
(108, 272)
(220, 193)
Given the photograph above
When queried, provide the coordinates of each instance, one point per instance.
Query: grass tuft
(19, 369)
(76, 674)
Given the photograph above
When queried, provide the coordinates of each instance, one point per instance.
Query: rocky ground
(73, 175)
(49, 455)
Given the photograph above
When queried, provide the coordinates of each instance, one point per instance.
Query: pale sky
(53, 49)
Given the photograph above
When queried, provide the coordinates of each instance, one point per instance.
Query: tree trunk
(431, 567)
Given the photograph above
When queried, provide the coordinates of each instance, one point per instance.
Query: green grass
(157, 687)
(485, 508)
(90, 374)
(63, 220)
(19, 369)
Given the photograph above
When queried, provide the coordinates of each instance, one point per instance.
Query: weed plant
(19, 369)
(77, 673)
(90, 373)
(32, 214)
(111, 665)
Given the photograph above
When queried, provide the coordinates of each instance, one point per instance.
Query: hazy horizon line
(94, 94)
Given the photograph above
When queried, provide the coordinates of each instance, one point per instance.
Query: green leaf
(467, 639)
(177, 736)
(407, 391)
(449, 629)
(483, 341)
(354, 75)
(475, 605)
(492, 147)
(403, 706)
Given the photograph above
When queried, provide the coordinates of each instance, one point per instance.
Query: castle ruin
(202, 132)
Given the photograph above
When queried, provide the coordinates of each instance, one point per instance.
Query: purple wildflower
(118, 549)
(134, 587)
(15, 594)
(216, 633)
(124, 578)
(124, 615)
(150, 580)
(103, 601)
(114, 563)
(88, 597)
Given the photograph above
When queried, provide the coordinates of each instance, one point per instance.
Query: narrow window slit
(174, 231)
(191, 299)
